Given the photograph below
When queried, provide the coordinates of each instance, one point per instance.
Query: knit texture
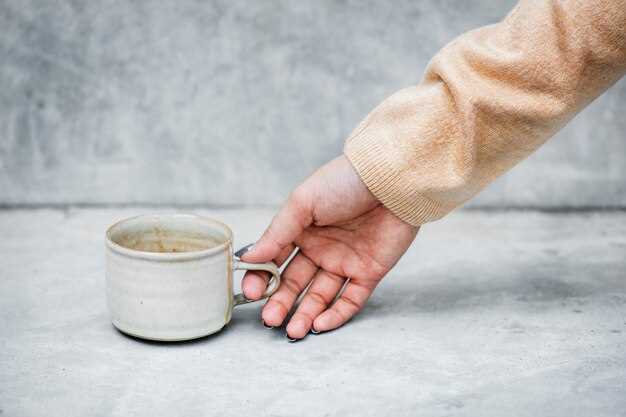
(488, 99)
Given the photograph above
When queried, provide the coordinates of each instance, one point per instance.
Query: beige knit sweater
(488, 99)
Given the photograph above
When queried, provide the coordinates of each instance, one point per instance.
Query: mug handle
(272, 286)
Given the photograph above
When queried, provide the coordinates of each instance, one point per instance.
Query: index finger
(286, 226)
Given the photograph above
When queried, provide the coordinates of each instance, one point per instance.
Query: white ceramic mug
(170, 277)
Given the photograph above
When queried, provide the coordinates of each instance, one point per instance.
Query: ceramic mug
(170, 276)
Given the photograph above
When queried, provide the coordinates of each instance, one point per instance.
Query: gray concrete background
(233, 102)
(487, 314)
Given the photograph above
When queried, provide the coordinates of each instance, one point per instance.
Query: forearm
(488, 100)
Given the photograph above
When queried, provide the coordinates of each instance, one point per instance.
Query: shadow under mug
(169, 277)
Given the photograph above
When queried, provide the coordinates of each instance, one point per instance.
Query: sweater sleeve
(488, 99)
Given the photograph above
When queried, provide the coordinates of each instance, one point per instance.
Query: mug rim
(169, 256)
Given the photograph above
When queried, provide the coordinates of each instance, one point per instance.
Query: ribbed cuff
(392, 188)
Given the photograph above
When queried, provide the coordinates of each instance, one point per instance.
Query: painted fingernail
(290, 339)
(244, 250)
(266, 325)
(314, 331)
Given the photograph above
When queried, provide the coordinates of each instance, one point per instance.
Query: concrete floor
(488, 314)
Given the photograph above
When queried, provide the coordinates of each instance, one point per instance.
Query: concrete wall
(233, 102)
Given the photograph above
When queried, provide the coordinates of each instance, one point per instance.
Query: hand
(342, 232)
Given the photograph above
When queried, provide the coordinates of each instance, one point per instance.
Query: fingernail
(265, 325)
(290, 339)
(244, 250)
(314, 331)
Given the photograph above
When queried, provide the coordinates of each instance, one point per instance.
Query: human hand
(342, 232)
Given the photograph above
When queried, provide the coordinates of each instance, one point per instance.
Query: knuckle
(317, 298)
(351, 304)
(298, 195)
(302, 316)
(291, 287)
(280, 305)
(299, 198)
(339, 315)
(337, 278)
(255, 277)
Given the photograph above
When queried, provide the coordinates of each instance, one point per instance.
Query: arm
(488, 99)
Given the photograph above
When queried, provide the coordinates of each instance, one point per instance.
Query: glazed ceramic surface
(170, 277)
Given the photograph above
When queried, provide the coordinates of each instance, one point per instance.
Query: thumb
(295, 215)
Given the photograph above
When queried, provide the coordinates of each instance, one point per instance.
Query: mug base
(138, 335)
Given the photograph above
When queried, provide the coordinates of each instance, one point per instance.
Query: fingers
(321, 293)
(288, 224)
(295, 278)
(347, 305)
(254, 283)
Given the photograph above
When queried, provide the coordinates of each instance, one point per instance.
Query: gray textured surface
(234, 102)
(491, 314)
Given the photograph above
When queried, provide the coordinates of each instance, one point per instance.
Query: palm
(363, 249)
(346, 244)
